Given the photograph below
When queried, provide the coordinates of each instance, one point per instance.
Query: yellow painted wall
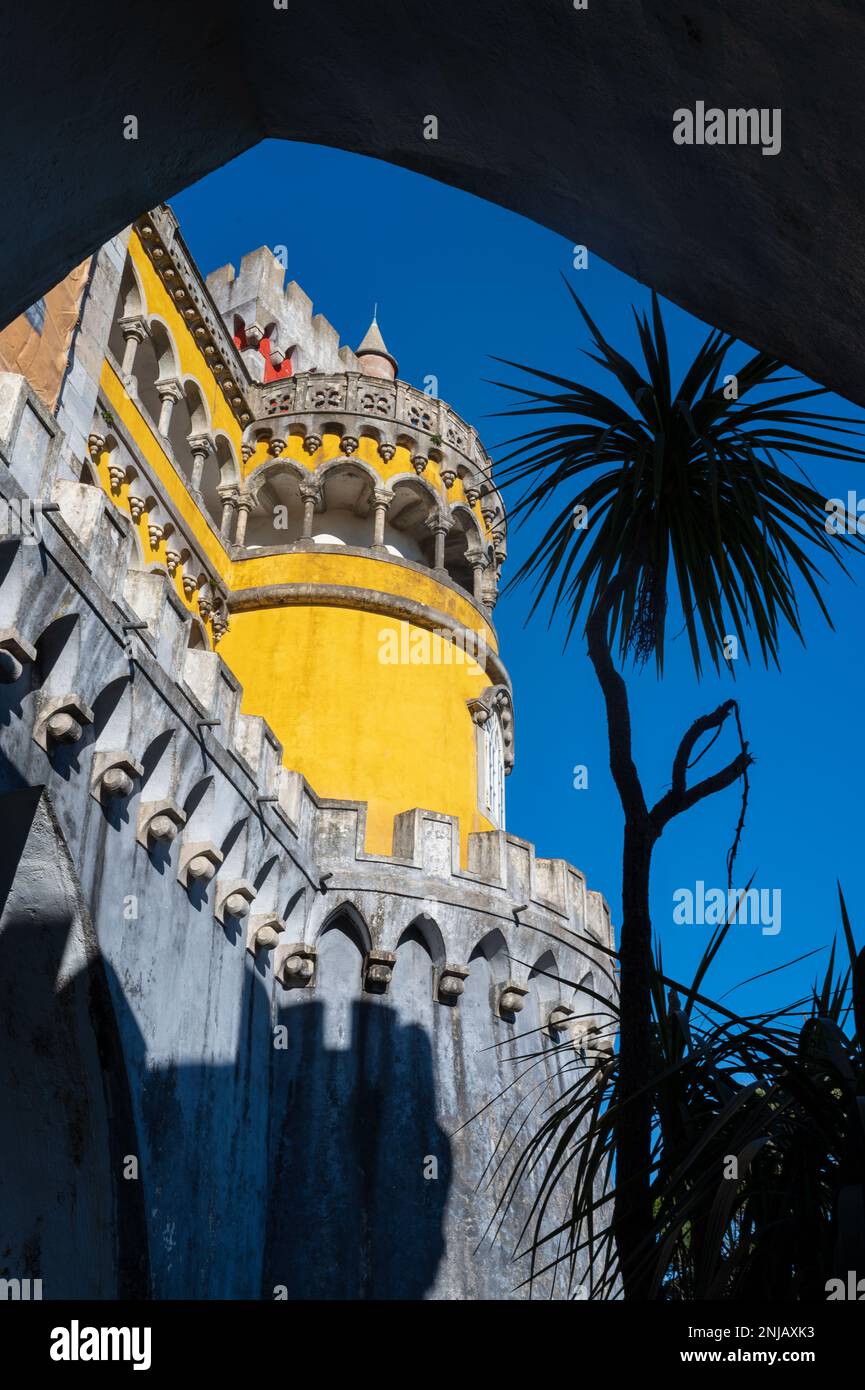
(359, 727)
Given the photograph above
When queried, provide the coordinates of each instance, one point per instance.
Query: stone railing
(396, 408)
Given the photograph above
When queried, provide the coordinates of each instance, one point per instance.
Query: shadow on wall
(362, 1168)
(66, 1125)
(355, 1170)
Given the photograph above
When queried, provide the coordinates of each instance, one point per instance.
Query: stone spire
(375, 360)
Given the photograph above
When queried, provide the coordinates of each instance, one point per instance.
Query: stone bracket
(378, 971)
(262, 931)
(294, 965)
(151, 815)
(451, 983)
(512, 997)
(113, 774)
(61, 719)
(198, 862)
(234, 898)
(15, 653)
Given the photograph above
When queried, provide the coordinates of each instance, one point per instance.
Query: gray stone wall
(244, 1055)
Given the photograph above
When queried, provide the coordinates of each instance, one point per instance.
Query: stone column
(169, 393)
(310, 494)
(134, 331)
(439, 524)
(244, 507)
(201, 446)
(228, 494)
(478, 564)
(381, 502)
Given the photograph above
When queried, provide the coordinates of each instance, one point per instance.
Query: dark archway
(562, 114)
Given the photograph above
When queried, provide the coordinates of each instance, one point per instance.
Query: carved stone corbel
(262, 931)
(233, 899)
(378, 971)
(512, 998)
(295, 965)
(61, 720)
(15, 653)
(113, 775)
(198, 862)
(159, 822)
(452, 982)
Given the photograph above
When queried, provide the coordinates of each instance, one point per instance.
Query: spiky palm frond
(758, 1161)
(685, 492)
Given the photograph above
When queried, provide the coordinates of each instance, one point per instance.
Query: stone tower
(257, 726)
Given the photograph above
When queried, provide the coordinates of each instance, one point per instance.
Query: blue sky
(457, 280)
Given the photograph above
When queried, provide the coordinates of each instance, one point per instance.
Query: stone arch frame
(196, 404)
(342, 463)
(134, 301)
(586, 1019)
(349, 466)
(427, 927)
(227, 462)
(156, 364)
(221, 470)
(165, 350)
(131, 303)
(464, 537)
(264, 479)
(494, 949)
(275, 468)
(545, 977)
(422, 489)
(346, 909)
(197, 638)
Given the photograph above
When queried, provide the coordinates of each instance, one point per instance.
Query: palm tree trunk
(633, 1209)
(632, 1215)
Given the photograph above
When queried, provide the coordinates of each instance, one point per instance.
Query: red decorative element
(271, 371)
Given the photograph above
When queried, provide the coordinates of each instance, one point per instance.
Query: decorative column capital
(134, 327)
(439, 523)
(201, 444)
(169, 390)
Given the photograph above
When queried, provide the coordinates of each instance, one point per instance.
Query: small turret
(375, 360)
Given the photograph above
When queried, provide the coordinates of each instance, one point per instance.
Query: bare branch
(615, 694)
(681, 797)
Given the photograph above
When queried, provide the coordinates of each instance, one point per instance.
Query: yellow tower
(337, 531)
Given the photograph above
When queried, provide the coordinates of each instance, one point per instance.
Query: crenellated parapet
(274, 325)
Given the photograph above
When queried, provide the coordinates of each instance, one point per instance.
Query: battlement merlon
(255, 304)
